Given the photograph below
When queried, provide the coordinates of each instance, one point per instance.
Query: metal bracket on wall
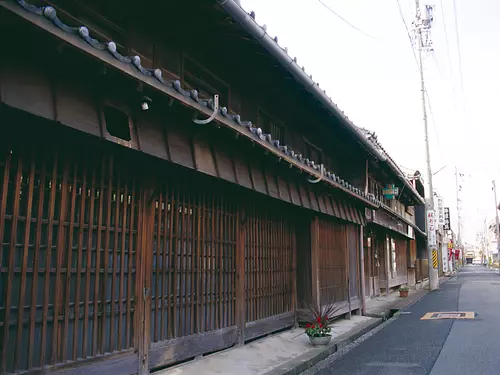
(322, 171)
(213, 115)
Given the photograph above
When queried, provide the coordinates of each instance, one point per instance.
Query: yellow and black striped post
(434, 258)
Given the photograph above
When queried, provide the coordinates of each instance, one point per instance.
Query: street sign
(440, 211)
(390, 192)
(447, 225)
(444, 259)
(431, 225)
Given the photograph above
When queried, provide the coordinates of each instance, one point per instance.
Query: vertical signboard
(431, 225)
(440, 211)
(444, 257)
(447, 225)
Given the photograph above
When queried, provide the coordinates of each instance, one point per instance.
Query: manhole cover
(448, 315)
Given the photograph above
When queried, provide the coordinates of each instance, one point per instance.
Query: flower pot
(403, 293)
(320, 341)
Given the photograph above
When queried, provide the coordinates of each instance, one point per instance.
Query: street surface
(410, 346)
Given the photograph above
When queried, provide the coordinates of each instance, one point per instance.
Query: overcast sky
(372, 75)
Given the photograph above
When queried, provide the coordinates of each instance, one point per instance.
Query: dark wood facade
(132, 240)
(390, 238)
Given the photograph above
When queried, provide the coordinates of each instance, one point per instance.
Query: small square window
(117, 123)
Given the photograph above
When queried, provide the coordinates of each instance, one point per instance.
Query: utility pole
(497, 229)
(422, 26)
(459, 219)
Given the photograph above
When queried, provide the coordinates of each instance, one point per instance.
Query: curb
(306, 361)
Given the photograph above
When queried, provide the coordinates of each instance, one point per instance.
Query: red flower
(308, 325)
(320, 325)
(318, 319)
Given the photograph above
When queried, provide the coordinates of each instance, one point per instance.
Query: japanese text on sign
(440, 211)
(447, 225)
(431, 225)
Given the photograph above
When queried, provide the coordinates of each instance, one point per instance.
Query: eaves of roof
(392, 164)
(46, 18)
(248, 22)
(400, 217)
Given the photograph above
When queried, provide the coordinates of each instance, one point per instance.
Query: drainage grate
(448, 315)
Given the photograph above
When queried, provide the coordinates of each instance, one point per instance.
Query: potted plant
(403, 291)
(319, 329)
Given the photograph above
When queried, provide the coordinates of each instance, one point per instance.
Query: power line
(454, 96)
(434, 123)
(446, 39)
(458, 47)
(460, 71)
(346, 21)
(408, 33)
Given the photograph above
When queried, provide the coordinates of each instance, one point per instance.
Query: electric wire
(429, 106)
(408, 33)
(346, 21)
(454, 96)
(460, 72)
(446, 39)
(459, 49)
(436, 133)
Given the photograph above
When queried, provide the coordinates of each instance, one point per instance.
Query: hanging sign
(440, 211)
(390, 192)
(446, 225)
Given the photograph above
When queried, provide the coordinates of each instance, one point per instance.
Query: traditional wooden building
(390, 246)
(170, 186)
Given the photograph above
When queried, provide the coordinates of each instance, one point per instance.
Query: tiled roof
(259, 33)
(110, 47)
(372, 137)
(248, 22)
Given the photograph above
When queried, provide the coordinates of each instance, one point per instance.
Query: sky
(366, 64)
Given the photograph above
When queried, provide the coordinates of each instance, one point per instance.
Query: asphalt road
(410, 346)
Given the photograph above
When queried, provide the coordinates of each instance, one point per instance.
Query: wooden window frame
(133, 143)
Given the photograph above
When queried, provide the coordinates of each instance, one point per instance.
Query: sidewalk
(386, 306)
(290, 352)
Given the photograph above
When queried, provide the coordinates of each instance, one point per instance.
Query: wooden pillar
(144, 271)
(348, 268)
(315, 260)
(388, 260)
(294, 279)
(240, 275)
(362, 270)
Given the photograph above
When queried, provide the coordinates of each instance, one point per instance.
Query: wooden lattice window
(68, 254)
(269, 276)
(332, 261)
(193, 274)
